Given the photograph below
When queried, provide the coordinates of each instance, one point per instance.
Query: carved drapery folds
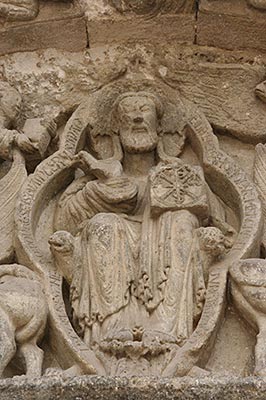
(125, 242)
(132, 189)
(128, 241)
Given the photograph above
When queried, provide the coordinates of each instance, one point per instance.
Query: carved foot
(197, 372)
(122, 335)
(54, 373)
(71, 372)
(151, 337)
(21, 378)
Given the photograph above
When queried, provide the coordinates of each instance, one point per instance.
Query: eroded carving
(28, 135)
(260, 4)
(152, 7)
(23, 311)
(140, 238)
(17, 10)
(248, 286)
(130, 245)
(20, 140)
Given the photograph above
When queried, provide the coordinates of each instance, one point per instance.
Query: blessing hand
(102, 169)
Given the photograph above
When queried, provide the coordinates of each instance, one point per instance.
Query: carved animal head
(61, 242)
(62, 245)
(213, 241)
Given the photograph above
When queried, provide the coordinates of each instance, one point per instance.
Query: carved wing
(260, 181)
(10, 186)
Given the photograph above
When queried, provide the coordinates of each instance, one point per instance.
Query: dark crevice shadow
(196, 21)
(88, 36)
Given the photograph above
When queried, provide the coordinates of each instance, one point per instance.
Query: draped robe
(136, 269)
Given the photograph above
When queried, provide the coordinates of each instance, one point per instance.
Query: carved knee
(102, 228)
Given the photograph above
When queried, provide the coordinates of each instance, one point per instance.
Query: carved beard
(138, 140)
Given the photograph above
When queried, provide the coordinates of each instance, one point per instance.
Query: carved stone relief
(23, 318)
(106, 213)
(129, 212)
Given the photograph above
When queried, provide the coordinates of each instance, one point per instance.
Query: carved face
(138, 124)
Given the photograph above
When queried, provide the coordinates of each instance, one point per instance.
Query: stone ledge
(101, 388)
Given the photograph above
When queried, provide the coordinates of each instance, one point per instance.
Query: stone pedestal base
(84, 388)
(231, 25)
(58, 25)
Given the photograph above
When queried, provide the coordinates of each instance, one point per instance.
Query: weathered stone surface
(100, 388)
(146, 21)
(58, 25)
(211, 78)
(231, 25)
(110, 30)
(151, 7)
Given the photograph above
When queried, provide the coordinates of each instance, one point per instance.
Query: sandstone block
(58, 25)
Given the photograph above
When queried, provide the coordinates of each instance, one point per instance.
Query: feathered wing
(260, 181)
(10, 186)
